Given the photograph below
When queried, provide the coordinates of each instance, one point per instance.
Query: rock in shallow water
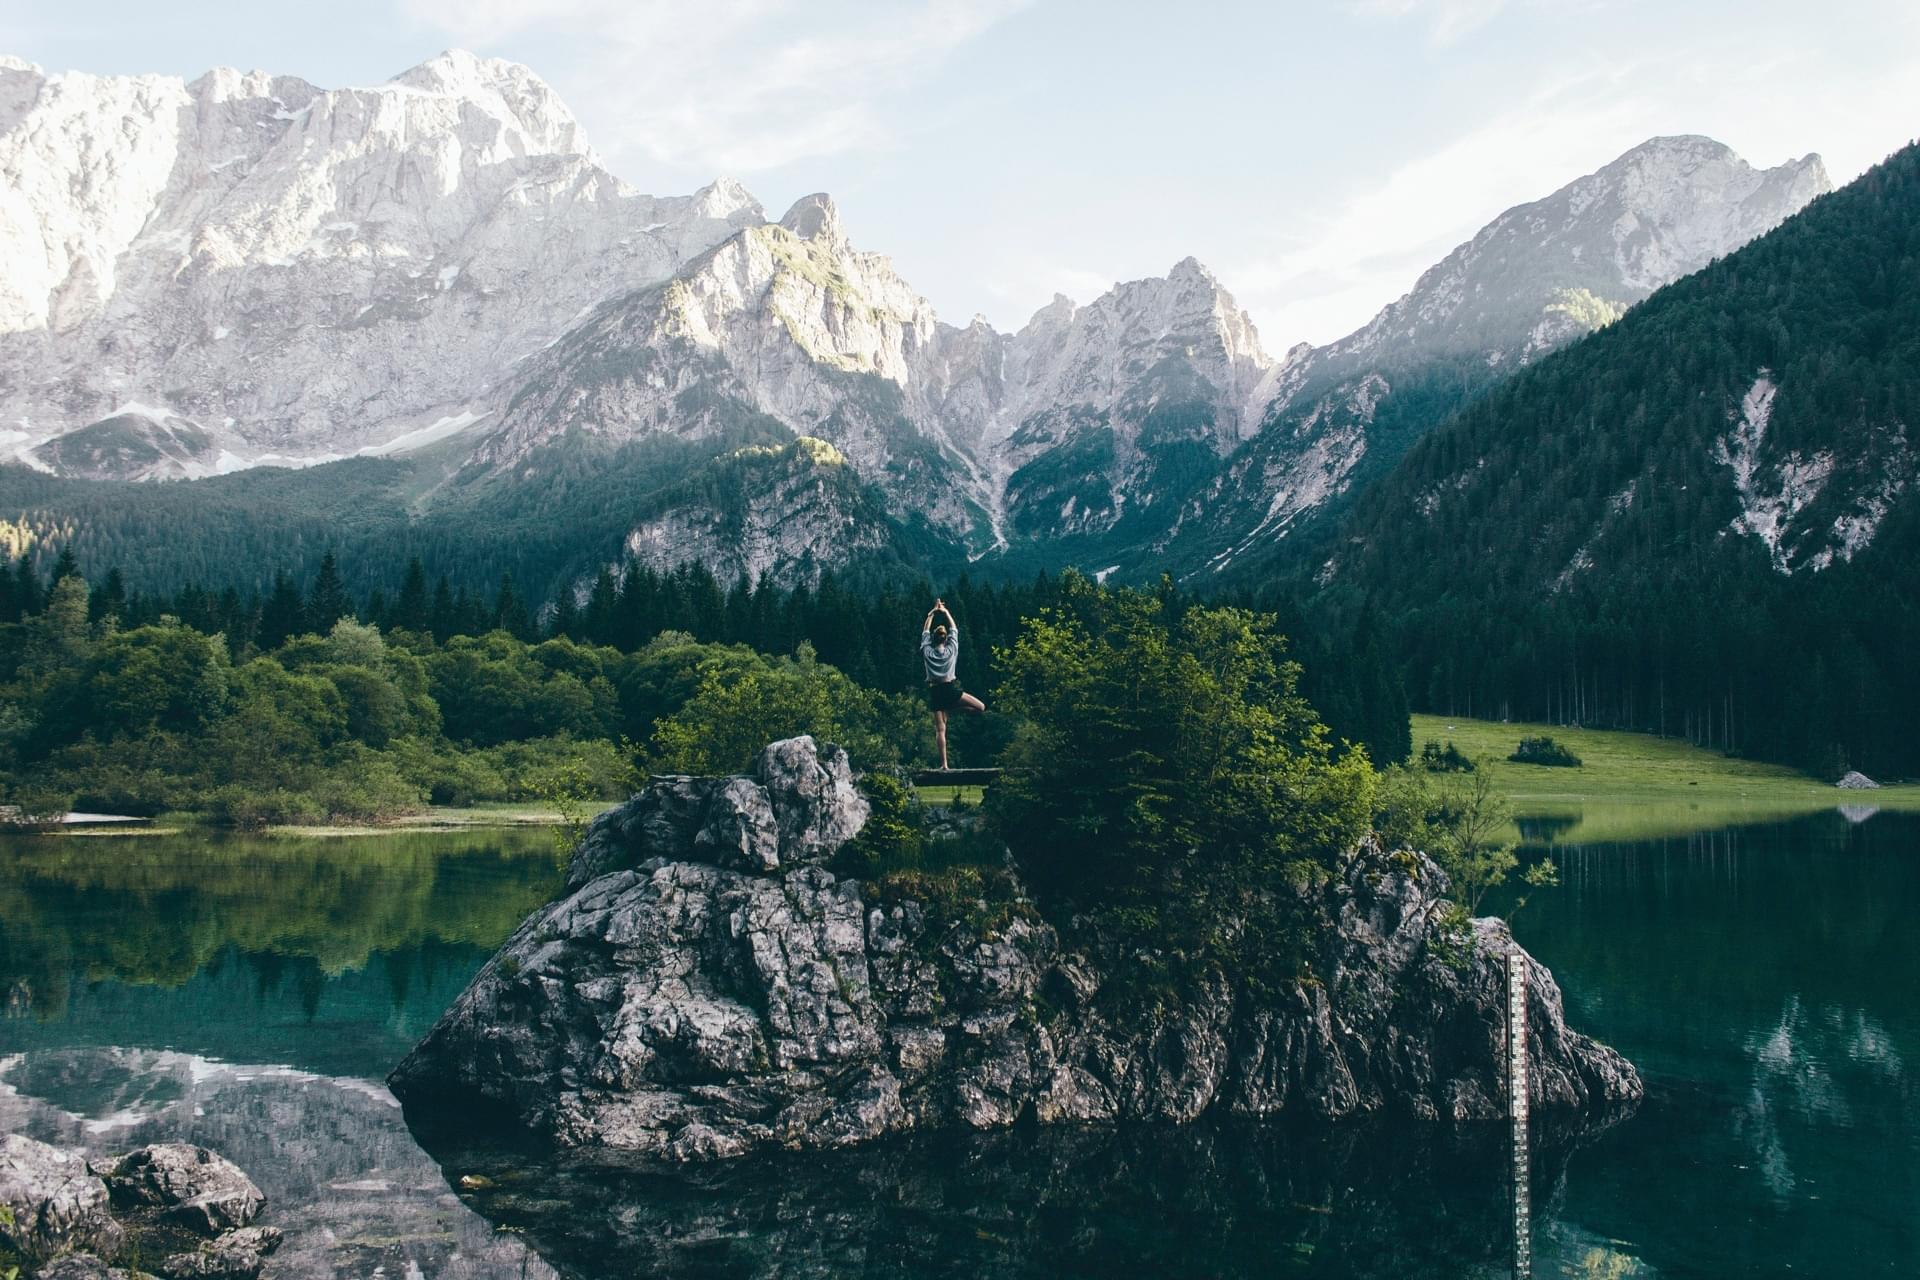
(194, 1187)
(699, 993)
(237, 1255)
(53, 1201)
(80, 1266)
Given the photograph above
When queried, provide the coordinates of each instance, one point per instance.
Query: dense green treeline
(1578, 547)
(866, 630)
(308, 706)
(342, 721)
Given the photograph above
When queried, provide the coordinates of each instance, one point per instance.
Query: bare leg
(971, 704)
(940, 735)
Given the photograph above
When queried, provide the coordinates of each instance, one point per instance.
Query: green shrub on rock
(1171, 783)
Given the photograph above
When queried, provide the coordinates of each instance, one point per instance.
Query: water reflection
(334, 955)
(342, 1176)
(1766, 981)
(1228, 1199)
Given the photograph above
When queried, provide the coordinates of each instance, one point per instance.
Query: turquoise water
(251, 995)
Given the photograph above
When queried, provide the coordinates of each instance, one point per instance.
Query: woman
(940, 654)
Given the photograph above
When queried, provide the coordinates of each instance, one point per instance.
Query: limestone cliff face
(706, 987)
(301, 273)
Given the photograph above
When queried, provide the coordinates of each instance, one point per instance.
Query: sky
(1316, 156)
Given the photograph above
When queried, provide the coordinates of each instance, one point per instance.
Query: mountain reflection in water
(1232, 1198)
(1765, 979)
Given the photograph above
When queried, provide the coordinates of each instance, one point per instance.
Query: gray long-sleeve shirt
(941, 660)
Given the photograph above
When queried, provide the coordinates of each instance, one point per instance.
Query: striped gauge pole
(1517, 1111)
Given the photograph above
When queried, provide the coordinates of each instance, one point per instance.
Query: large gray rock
(798, 806)
(51, 1202)
(192, 1186)
(700, 992)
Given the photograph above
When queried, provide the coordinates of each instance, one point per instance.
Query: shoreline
(1636, 786)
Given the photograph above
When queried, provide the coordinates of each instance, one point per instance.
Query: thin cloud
(733, 86)
(1447, 20)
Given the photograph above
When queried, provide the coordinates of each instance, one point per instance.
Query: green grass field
(1634, 786)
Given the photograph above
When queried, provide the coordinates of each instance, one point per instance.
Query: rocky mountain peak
(815, 217)
(1190, 270)
(289, 273)
(1054, 314)
(1546, 271)
(725, 198)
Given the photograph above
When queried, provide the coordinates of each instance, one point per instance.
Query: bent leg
(970, 703)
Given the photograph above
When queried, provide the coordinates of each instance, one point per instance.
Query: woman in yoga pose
(940, 654)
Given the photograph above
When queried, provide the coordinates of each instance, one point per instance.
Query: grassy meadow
(1634, 786)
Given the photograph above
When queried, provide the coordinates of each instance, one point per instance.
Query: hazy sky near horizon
(1317, 156)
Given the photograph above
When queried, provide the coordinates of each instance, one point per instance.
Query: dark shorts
(944, 697)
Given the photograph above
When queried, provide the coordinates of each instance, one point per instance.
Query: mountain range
(432, 296)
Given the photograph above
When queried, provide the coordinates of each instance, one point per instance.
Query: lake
(250, 995)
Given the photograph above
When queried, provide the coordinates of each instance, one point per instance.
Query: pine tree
(509, 614)
(444, 618)
(27, 596)
(283, 616)
(413, 611)
(597, 625)
(566, 616)
(328, 602)
(111, 600)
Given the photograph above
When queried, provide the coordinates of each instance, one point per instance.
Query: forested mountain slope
(717, 501)
(1700, 519)
(1330, 420)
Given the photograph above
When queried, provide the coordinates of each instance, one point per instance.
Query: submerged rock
(57, 1213)
(701, 991)
(80, 1266)
(53, 1201)
(191, 1185)
(237, 1255)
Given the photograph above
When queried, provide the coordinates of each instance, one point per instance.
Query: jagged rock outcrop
(186, 1213)
(706, 987)
(54, 1200)
(768, 514)
(190, 1185)
(344, 1179)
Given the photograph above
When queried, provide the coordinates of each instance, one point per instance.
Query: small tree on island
(1460, 822)
(1170, 783)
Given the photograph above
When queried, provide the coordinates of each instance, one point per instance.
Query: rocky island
(706, 986)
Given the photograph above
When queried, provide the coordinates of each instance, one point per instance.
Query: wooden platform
(955, 777)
